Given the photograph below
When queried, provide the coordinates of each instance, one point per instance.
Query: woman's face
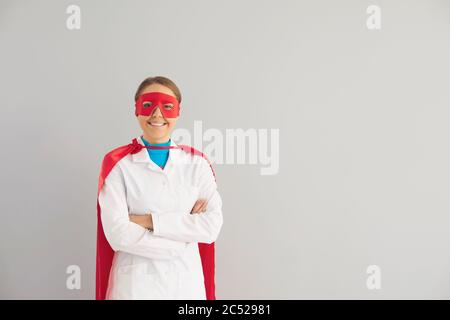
(155, 127)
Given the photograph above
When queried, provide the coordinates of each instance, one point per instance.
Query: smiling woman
(159, 212)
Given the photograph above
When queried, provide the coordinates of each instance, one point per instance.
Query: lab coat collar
(143, 156)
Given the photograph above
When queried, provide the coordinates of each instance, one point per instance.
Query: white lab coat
(165, 263)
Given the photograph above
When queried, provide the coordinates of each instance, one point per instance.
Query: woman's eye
(147, 104)
(168, 106)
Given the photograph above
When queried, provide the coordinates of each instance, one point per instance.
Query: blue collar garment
(158, 156)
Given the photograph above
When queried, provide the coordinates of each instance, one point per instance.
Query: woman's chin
(156, 135)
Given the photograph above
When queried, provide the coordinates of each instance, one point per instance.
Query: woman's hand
(144, 220)
(199, 206)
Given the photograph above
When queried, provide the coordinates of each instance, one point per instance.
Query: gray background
(363, 116)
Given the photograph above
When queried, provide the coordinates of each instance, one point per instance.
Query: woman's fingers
(198, 206)
(203, 207)
(195, 207)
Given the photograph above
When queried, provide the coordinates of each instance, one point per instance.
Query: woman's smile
(156, 124)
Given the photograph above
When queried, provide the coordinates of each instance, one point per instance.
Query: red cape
(104, 251)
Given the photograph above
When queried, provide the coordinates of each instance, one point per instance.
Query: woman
(158, 207)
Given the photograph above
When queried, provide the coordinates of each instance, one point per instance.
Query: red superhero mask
(147, 103)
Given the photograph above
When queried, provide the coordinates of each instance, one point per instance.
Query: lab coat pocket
(123, 283)
(135, 282)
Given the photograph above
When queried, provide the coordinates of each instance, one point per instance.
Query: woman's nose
(157, 112)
